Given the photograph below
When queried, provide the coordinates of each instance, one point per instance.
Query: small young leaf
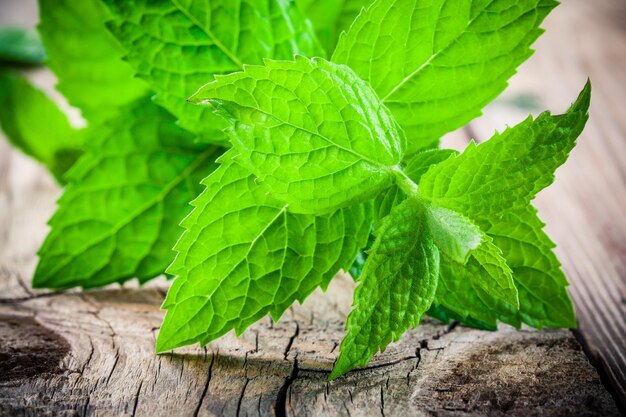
(86, 59)
(437, 64)
(34, 124)
(243, 255)
(396, 288)
(312, 131)
(455, 235)
(118, 217)
(541, 284)
(176, 47)
(498, 279)
(458, 238)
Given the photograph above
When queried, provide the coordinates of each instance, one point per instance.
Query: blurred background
(585, 209)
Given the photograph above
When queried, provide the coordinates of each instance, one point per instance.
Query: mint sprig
(276, 119)
(298, 167)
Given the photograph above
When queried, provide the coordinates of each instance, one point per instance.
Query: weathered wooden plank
(585, 208)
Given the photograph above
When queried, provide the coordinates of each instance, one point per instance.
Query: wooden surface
(92, 353)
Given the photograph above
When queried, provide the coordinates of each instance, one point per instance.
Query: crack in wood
(243, 392)
(291, 340)
(137, 398)
(280, 407)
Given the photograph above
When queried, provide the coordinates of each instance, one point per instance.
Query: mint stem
(405, 183)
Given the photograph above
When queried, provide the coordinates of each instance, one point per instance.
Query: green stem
(405, 183)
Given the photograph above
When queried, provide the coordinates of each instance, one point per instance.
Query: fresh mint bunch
(298, 165)
(318, 139)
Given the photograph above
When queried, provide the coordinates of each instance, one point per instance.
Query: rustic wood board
(92, 353)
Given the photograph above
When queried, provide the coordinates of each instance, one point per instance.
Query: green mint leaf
(86, 59)
(274, 257)
(492, 184)
(498, 280)
(176, 46)
(455, 235)
(508, 170)
(311, 130)
(35, 125)
(396, 288)
(542, 286)
(118, 217)
(20, 46)
(458, 238)
(459, 291)
(331, 17)
(437, 64)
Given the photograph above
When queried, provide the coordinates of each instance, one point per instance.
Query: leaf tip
(41, 279)
(202, 95)
(583, 101)
(342, 366)
(164, 344)
(337, 372)
(194, 98)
